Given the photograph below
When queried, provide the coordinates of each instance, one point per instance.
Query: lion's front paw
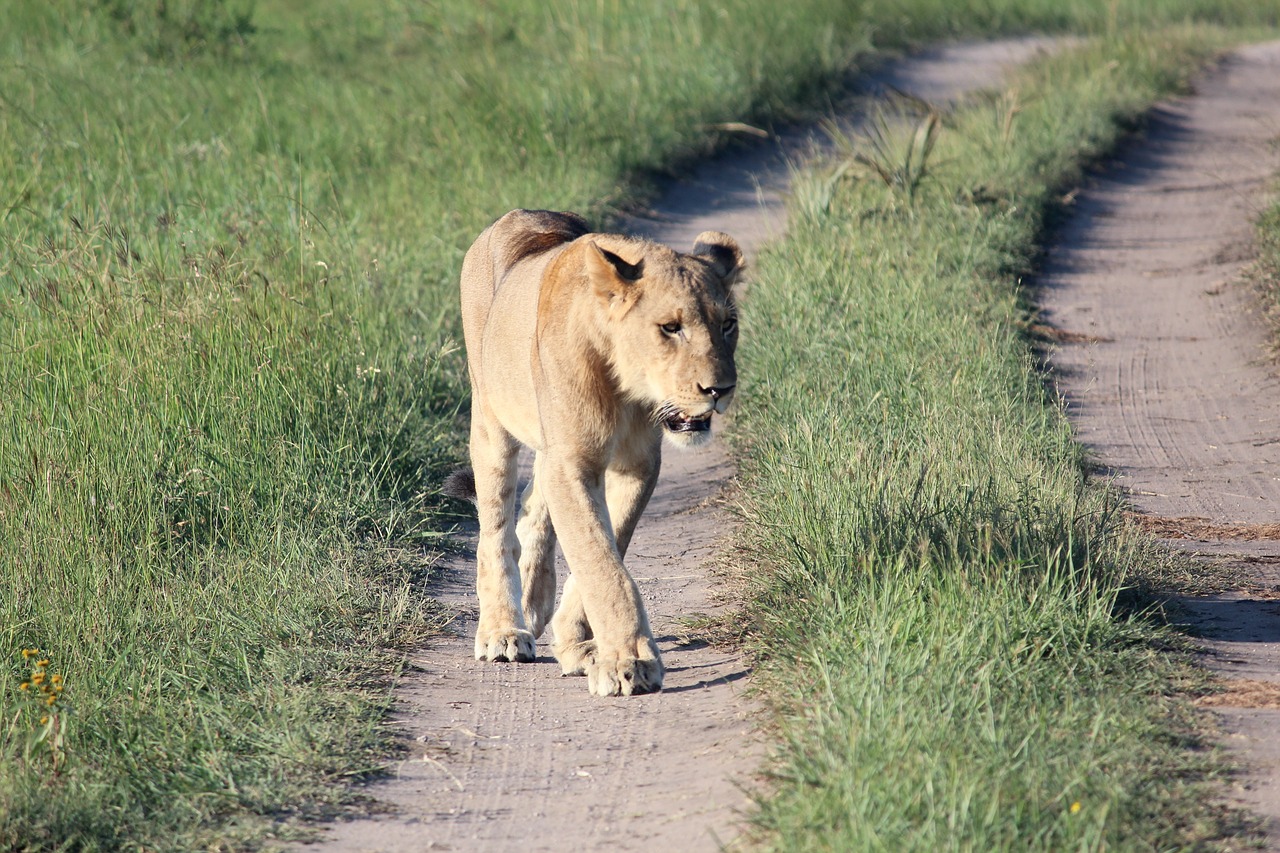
(510, 644)
(624, 674)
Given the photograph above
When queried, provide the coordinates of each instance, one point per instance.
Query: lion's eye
(730, 323)
(670, 328)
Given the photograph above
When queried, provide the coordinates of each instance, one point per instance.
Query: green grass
(1266, 271)
(937, 592)
(229, 376)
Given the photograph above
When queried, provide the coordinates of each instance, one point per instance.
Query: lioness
(590, 349)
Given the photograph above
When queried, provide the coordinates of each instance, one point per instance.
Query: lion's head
(673, 323)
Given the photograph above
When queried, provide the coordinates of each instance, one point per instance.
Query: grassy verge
(1266, 272)
(936, 588)
(229, 234)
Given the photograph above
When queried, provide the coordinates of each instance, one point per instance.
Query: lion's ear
(612, 275)
(723, 253)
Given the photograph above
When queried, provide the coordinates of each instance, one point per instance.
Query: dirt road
(1176, 393)
(513, 757)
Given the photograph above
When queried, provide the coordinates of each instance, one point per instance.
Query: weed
(46, 707)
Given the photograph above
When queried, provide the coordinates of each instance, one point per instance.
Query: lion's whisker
(662, 412)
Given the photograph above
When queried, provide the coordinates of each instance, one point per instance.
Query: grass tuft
(897, 155)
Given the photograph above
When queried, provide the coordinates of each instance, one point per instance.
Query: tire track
(1176, 394)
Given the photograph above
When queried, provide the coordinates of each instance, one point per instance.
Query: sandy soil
(512, 756)
(1167, 377)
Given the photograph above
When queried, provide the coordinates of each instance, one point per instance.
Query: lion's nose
(717, 393)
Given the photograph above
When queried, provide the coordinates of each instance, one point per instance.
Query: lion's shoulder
(522, 234)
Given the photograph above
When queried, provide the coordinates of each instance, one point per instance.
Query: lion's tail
(461, 484)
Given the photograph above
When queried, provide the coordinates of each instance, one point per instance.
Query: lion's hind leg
(537, 556)
(502, 634)
(574, 645)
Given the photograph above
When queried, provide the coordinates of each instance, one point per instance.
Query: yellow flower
(55, 678)
(26, 685)
(38, 677)
(30, 653)
(42, 663)
(1075, 807)
(44, 720)
(53, 697)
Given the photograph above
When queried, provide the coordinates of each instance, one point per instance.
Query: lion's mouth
(684, 423)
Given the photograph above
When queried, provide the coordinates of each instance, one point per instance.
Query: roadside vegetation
(940, 596)
(230, 378)
(1266, 272)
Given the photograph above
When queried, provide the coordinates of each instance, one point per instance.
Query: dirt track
(514, 756)
(1172, 387)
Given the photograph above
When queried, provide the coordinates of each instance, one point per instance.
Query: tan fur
(568, 355)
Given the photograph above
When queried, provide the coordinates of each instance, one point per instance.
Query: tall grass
(229, 378)
(936, 588)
